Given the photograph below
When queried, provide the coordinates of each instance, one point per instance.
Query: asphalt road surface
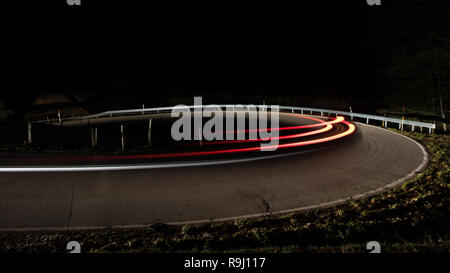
(372, 161)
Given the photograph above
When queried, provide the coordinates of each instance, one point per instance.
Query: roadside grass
(414, 217)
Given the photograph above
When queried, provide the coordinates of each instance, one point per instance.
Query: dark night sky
(229, 48)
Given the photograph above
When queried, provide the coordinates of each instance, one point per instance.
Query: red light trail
(328, 125)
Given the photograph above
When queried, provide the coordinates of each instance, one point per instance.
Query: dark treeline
(409, 42)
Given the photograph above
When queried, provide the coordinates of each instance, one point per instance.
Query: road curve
(372, 161)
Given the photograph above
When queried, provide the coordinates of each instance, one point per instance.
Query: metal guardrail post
(29, 132)
(149, 134)
(93, 137)
(121, 137)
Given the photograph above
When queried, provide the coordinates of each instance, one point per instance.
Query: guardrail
(303, 110)
(384, 120)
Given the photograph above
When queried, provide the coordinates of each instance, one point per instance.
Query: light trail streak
(328, 125)
(350, 130)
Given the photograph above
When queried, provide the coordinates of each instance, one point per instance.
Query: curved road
(372, 161)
